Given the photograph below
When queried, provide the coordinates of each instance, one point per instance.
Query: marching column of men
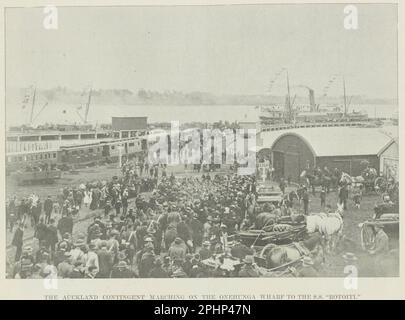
(172, 230)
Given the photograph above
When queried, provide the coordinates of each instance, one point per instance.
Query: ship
(311, 113)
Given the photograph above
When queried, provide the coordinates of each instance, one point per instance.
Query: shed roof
(337, 141)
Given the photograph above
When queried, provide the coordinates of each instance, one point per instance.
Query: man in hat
(112, 241)
(380, 250)
(121, 270)
(140, 232)
(124, 201)
(92, 257)
(18, 241)
(65, 224)
(77, 251)
(178, 249)
(147, 262)
(40, 230)
(167, 265)
(48, 207)
(323, 197)
(282, 185)
(343, 195)
(248, 270)
(197, 270)
(66, 241)
(305, 200)
(158, 271)
(105, 260)
(60, 252)
(224, 236)
(52, 235)
(65, 267)
(184, 233)
(207, 227)
(205, 252)
(381, 246)
(95, 227)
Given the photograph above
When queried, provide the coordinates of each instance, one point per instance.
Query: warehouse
(338, 147)
(125, 127)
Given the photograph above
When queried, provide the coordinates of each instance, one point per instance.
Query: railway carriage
(75, 156)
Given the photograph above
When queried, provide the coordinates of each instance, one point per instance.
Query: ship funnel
(312, 100)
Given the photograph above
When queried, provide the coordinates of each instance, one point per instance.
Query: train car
(101, 152)
(76, 156)
(80, 155)
(22, 160)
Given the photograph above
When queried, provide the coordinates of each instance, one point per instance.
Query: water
(199, 113)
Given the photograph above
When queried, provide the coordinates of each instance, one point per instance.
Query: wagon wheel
(380, 185)
(367, 236)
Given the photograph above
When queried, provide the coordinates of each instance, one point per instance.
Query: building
(129, 126)
(337, 147)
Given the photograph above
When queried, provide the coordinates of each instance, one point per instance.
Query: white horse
(329, 225)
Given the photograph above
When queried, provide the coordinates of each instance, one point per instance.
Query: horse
(330, 225)
(316, 179)
(279, 255)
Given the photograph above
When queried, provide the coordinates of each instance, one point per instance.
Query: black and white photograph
(201, 141)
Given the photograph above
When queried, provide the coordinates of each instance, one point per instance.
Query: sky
(220, 49)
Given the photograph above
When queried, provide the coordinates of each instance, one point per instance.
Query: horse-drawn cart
(278, 234)
(390, 222)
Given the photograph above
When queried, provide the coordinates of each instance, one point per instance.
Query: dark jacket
(52, 235)
(18, 238)
(105, 262)
(65, 224)
(48, 205)
(40, 231)
(158, 272)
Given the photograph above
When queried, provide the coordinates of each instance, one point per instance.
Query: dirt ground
(334, 264)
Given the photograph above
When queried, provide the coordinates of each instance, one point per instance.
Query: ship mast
(87, 107)
(33, 105)
(289, 113)
(344, 96)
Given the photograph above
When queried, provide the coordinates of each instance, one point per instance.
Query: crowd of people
(167, 230)
(147, 224)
